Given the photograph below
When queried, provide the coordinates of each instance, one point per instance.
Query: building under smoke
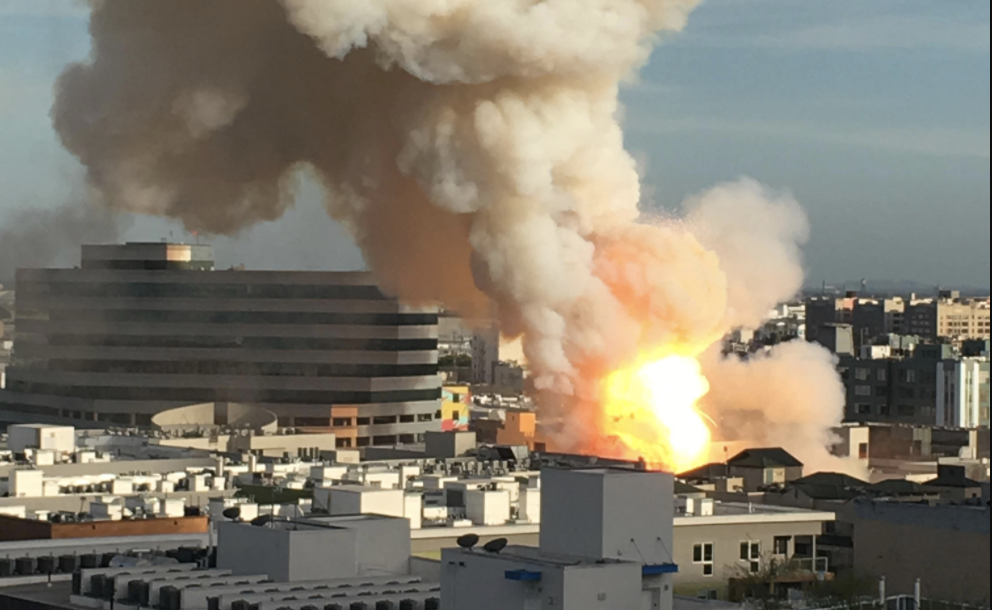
(142, 328)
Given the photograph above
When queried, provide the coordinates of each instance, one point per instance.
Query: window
(425, 417)
(862, 390)
(782, 545)
(883, 375)
(864, 409)
(364, 421)
(343, 443)
(862, 374)
(342, 422)
(863, 451)
(750, 551)
(906, 411)
(702, 554)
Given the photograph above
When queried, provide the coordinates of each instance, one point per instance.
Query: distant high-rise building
(485, 355)
(142, 328)
(963, 393)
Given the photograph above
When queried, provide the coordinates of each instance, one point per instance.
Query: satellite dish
(232, 514)
(496, 546)
(468, 541)
(262, 521)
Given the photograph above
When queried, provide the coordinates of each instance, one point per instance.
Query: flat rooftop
(535, 556)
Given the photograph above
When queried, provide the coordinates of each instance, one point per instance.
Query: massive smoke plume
(473, 149)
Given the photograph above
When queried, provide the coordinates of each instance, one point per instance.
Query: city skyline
(875, 117)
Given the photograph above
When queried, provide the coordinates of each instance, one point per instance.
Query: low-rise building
(764, 467)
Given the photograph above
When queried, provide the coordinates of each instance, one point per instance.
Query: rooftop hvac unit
(109, 588)
(359, 606)
(26, 566)
(385, 605)
(89, 562)
(432, 604)
(310, 608)
(68, 564)
(408, 604)
(171, 598)
(6, 568)
(333, 607)
(241, 605)
(138, 592)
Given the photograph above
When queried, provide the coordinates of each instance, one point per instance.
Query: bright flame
(652, 410)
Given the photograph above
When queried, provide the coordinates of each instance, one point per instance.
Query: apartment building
(143, 328)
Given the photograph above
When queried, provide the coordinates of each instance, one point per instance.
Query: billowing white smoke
(472, 147)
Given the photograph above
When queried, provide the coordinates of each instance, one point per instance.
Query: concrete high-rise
(141, 328)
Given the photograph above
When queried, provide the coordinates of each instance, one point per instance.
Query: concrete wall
(382, 545)
(60, 439)
(608, 514)
(477, 581)
(946, 546)
(450, 444)
(286, 556)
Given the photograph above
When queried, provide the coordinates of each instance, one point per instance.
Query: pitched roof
(775, 457)
(898, 487)
(683, 489)
(830, 486)
(828, 492)
(706, 473)
(832, 479)
(954, 482)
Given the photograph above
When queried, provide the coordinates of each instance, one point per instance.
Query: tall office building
(142, 328)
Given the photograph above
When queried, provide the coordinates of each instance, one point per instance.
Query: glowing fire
(652, 411)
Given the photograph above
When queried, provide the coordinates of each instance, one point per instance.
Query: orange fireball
(652, 410)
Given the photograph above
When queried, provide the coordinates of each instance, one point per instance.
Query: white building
(598, 549)
(58, 439)
(963, 393)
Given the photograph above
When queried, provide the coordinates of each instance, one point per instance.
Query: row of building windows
(351, 422)
(188, 290)
(903, 410)
(704, 554)
(253, 369)
(198, 395)
(208, 342)
(241, 317)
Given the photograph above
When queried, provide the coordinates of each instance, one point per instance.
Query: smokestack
(473, 149)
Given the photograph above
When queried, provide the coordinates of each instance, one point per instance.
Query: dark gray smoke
(38, 237)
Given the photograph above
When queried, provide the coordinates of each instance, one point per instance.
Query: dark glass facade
(119, 340)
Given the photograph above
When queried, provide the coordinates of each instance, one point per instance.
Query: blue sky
(874, 113)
